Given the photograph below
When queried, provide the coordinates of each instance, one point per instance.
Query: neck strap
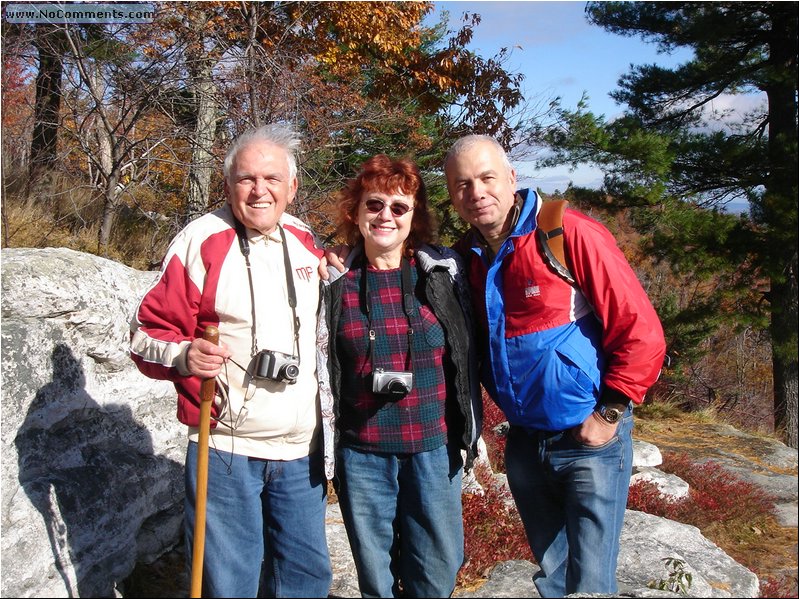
(407, 305)
(244, 246)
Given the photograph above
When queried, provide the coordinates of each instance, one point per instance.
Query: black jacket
(442, 285)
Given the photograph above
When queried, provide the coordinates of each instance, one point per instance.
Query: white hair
(281, 135)
(468, 142)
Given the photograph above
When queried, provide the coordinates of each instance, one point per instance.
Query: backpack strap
(549, 229)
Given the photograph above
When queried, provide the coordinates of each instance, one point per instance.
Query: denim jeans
(404, 520)
(265, 525)
(571, 499)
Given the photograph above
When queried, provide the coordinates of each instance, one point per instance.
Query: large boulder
(647, 540)
(92, 454)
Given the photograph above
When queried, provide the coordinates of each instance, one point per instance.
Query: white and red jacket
(551, 348)
(203, 282)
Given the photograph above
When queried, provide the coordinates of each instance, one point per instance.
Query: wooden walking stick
(207, 391)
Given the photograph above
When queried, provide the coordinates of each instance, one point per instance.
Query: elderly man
(251, 270)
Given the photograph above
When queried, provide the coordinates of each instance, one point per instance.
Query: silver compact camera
(277, 366)
(393, 383)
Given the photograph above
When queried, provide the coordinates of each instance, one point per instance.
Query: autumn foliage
(145, 112)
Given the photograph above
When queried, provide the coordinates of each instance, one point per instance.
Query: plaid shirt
(370, 421)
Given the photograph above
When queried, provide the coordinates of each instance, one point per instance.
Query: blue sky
(560, 54)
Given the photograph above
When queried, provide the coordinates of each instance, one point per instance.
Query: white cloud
(733, 108)
(558, 178)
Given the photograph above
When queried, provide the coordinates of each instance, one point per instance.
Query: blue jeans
(404, 520)
(265, 525)
(572, 499)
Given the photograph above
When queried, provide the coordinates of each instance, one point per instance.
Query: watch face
(612, 415)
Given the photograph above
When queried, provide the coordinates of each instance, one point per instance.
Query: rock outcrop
(92, 453)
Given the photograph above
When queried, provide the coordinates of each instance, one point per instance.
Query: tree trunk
(109, 165)
(783, 333)
(202, 144)
(780, 203)
(252, 24)
(109, 213)
(46, 117)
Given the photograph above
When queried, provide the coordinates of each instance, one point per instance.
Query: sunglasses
(397, 208)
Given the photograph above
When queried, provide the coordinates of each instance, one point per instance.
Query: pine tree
(671, 149)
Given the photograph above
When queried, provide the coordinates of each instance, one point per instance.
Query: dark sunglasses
(397, 208)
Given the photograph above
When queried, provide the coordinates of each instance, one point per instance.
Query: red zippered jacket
(551, 348)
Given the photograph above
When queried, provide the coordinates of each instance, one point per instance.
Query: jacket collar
(428, 257)
(520, 215)
(432, 257)
(529, 203)
(253, 235)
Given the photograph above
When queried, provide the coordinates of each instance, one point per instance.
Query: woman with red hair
(404, 379)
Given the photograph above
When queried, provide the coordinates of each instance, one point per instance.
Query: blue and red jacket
(550, 348)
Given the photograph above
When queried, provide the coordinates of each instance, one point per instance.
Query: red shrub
(644, 496)
(492, 417)
(778, 588)
(717, 494)
(493, 533)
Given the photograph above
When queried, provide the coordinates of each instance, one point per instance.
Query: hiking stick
(207, 391)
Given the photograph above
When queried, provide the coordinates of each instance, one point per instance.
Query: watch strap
(614, 398)
(612, 405)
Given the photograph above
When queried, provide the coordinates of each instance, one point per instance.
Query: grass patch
(672, 411)
(69, 216)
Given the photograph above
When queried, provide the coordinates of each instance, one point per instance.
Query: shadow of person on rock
(84, 467)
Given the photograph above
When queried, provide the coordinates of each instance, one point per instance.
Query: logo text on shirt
(304, 272)
(531, 290)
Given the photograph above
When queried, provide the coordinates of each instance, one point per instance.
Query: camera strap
(244, 246)
(407, 305)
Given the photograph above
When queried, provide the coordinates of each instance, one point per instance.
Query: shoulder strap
(550, 232)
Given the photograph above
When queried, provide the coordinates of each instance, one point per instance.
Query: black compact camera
(276, 366)
(394, 384)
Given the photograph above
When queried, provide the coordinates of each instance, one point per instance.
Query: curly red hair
(381, 173)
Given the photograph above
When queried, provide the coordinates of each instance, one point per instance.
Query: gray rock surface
(508, 579)
(646, 455)
(646, 541)
(669, 485)
(91, 451)
(345, 578)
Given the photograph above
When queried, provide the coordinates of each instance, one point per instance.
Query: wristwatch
(611, 413)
